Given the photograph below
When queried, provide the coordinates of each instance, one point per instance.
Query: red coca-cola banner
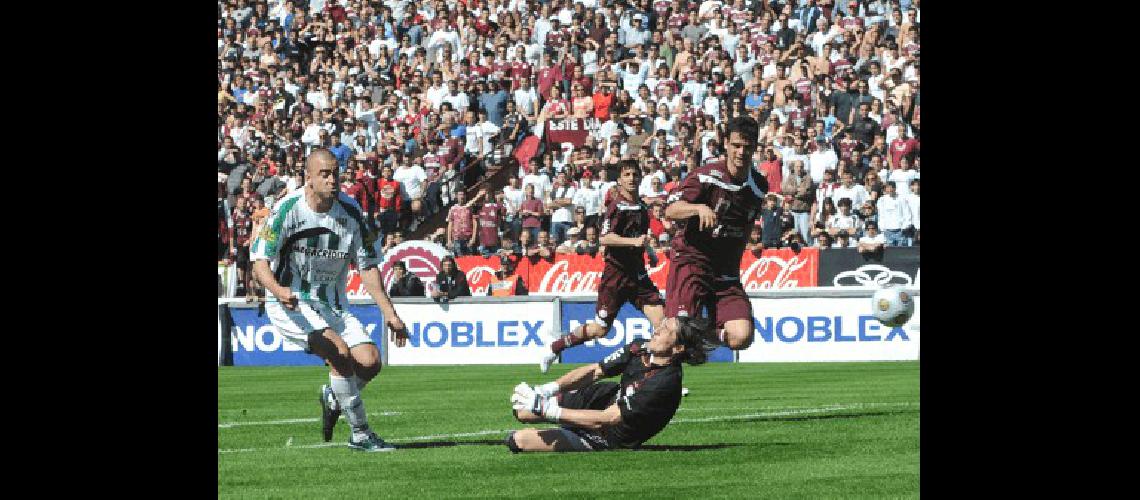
(580, 274)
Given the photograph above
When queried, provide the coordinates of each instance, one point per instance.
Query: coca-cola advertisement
(570, 275)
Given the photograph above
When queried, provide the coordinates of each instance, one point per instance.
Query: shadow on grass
(694, 447)
(448, 444)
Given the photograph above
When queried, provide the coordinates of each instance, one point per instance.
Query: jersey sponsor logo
(322, 252)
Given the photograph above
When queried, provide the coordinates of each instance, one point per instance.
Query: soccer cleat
(370, 444)
(330, 412)
(547, 360)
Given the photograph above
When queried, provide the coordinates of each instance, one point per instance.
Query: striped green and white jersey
(309, 251)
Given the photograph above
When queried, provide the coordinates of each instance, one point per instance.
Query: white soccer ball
(892, 306)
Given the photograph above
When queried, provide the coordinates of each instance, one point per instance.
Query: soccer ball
(892, 306)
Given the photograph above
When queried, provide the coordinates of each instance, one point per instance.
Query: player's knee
(368, 369)
(738, 338)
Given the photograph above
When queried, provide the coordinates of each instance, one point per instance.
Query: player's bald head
(317, 159)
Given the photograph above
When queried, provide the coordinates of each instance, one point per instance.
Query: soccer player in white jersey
(302, 257)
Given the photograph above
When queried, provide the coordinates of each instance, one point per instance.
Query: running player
(607, 415)
(302, 257)
(715, 208)
(625, 234)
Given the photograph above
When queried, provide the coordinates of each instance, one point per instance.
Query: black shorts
(243, 257)
(597, 396)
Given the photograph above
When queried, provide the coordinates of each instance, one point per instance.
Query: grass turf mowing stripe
(229, 425)
(724, 418)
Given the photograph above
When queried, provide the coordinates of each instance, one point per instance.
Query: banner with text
(474, 333)
(629, 325)
(571, 130)
(576, 275)
(255, 341)
(827, 329)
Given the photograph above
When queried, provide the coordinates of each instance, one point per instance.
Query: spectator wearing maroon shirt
(240, 232)
(461, 225)
(902, 146)
(388, 201)
(772, 169)
(549, 76)
(488, 220)
(531, 212)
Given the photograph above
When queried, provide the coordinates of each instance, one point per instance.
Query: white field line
(786, 411)
(228, 425)
(782, 408)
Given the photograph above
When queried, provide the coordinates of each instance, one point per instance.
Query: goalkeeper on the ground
(606, 415)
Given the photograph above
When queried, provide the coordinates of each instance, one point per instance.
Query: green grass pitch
(785, 430)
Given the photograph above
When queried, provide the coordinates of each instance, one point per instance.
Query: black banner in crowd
(847, 267)
(225, 324)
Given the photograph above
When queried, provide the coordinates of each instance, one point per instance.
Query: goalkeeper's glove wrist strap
(554, 414)
(548, 389)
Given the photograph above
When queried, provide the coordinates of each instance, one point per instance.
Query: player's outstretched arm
(579, 377)
(265, 276)
(371, 279)
(682, 210)
(613, 240)
(591, 419)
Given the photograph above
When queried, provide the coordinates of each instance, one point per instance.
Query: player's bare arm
(682, 210)
(265, 276)
(613, 240)
(371, 279)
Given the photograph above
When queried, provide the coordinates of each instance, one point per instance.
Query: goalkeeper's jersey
(309, 251)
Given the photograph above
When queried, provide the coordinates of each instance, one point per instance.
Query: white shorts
(311, 316)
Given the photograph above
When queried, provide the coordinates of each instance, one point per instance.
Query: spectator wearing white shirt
(513, 196)
(437, 91)
(902, 175)
(872, 242)
(894, 215)
(589, 198)
(849, 190)
(913, 203)
(457, 98)
(845, 220)
(824, 158)
(561, 203)
(540, 182)
(412, 185)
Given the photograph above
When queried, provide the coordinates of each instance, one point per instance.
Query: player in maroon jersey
(625, 231)
(715, 208)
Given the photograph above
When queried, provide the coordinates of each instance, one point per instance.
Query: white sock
(351, 404)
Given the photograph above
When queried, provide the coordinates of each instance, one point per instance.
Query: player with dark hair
(607, 415)
(715, 208)
(625, 234)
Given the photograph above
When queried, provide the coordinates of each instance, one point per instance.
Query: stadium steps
(494, 178)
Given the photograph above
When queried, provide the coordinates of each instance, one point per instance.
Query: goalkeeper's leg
(546, 440)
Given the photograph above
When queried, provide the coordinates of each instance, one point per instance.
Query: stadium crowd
(417, 99)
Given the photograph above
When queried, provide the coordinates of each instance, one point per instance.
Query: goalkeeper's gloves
(528, 398)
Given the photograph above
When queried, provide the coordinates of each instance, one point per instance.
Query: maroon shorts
(688, 291)
(618, 287)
